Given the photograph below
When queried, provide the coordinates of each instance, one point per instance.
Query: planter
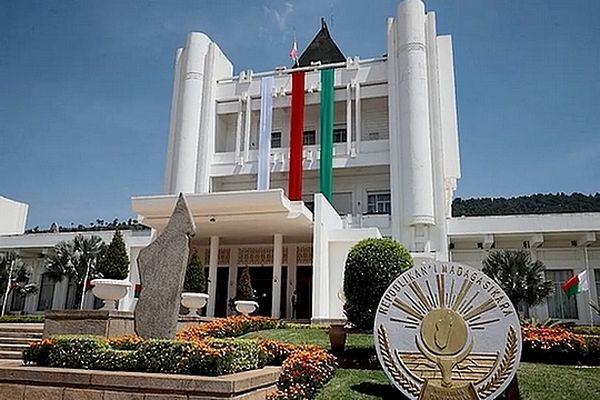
(193, 301)
(110, 290)
(337, 337)
(246, 307)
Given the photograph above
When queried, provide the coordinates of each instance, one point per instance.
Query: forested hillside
(533, 204)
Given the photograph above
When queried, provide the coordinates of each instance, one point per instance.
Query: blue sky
(85, 89)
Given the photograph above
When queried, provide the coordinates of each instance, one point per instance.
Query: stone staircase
(15, 337)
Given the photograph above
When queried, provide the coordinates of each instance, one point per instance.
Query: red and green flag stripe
(576, 284)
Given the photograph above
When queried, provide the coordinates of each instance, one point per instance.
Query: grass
(536, 382)
(317, 336)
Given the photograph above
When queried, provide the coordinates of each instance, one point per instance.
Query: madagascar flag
(576, 284)
(137, 290)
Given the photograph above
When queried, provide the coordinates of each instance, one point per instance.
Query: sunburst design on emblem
(417, 307)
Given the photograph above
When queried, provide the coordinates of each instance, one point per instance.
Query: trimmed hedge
(21, 319)
(209, 357)
(371, 266)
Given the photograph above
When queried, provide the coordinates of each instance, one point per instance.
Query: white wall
(331, 244)
(13, 216)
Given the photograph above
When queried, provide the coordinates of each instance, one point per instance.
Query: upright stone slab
(162, 270)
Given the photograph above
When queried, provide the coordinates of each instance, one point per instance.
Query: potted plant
(112, 270)
(245, 300)
(193, 297)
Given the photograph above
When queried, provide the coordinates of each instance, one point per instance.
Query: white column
(413, 104)
(185, 155)
(357, 116)
(233, 273)
(213, 264)
(173, 128)
(247, 127)
(277, 261)
(59, 297)
(348, 118)
(292, 267)
(238, 130)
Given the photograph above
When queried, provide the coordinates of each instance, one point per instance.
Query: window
(379, 203)
(309, 138)
(46, 293)
(339, 134)
(559, 305)
(276, 140)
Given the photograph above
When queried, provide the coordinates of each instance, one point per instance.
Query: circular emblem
(447, 331)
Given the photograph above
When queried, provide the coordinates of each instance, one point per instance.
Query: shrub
(37, 352)
(166, 356)
(195, 280)
(114, 263)
(228, 327)
(128, 342)
(22, 318)
(586, 330)
(304, 373)
(235, 355)
(82, 352)
(276, 352)
(244, 286)
(371, 266)
(117, 360)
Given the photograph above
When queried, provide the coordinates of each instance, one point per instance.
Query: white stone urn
(110, 290)
(246, 307)
(193, 301)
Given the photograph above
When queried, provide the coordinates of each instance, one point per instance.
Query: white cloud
(280, 16)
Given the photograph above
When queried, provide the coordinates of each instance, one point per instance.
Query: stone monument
(162, 270)
(447, 331)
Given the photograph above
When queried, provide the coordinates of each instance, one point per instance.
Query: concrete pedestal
(88, 322)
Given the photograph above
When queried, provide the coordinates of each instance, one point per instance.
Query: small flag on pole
(576, 284)
(294, 52)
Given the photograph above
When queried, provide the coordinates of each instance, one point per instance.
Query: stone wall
(19, 382)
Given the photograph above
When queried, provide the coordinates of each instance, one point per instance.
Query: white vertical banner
(264, 140)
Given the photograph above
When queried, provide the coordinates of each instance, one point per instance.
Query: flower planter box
(34, 383)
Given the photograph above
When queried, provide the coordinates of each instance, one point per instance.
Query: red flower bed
(553, 344)
(304, 373)
(228, 327)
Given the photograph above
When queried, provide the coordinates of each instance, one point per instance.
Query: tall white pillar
(410, 134)
(277, 263)
(292, 266)
(213, 264)
(185, 149)
(233, 273)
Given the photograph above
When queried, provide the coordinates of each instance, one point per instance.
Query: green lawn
(536, 382)
(312, 336)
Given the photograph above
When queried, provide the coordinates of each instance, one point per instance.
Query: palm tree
(519, 276)
(14, 277)
(76, 260)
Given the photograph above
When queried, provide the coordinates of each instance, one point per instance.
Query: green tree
(519, 276)
(19, 277)
(195, 280)
(244, 286)
(371, 266)
(76, 260)
(114, 263)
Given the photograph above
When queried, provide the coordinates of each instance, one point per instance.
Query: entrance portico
(256, 228)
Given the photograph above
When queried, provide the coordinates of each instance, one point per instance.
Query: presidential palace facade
(285, 170)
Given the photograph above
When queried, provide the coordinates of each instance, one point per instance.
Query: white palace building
(251, 154)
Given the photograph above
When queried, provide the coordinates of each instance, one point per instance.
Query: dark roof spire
(322, 48)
